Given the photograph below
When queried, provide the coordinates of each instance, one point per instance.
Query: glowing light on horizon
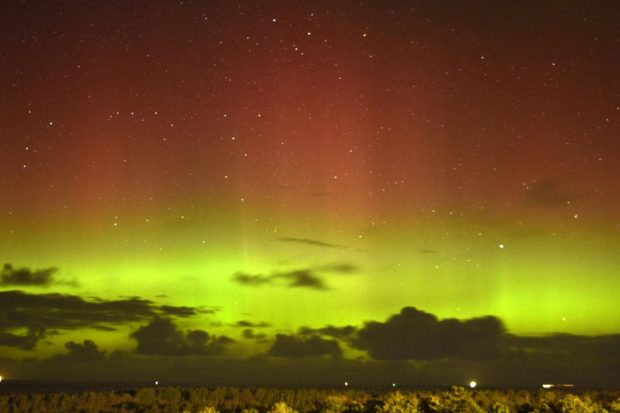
(473, 384)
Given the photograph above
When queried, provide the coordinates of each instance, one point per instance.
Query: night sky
(234, 192)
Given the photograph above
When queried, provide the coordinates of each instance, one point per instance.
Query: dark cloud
(308, 358)
(25, 277)
(551, 192)
(208, 309)
(24, 341)
(41, 314)
(343, 333)
(178, 311)
(250, 324)
(416, 335)
(594, 365)
(215, 371)
(309, 241)
(299, 346)
(85, 351)
(104, 328)
(304, 278)
(249, 334)
(162, 337)
(253, 280)
(338, 267)
(561, 358)
(569, 345)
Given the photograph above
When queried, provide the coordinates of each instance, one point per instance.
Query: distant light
(547, 386)
(472, 384)
(156, 382)
(501, 246)
(0, 378)
(346, 383)
(393, 384)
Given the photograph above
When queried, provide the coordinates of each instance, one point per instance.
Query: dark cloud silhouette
(85, 351)
(40, 314)
(253, 280)
(338, 267)
(343, 333)
(560, 358)
(304, 278)
(249, 334)
(178, 311)
(603, 347)
(415, 335)
(299, 346)
(551, 192)
(162, 337)
(250, 324)
(25, 277)
(592, 363)
(26, 341)
(208, 309)
(309, 241)
(309, 357)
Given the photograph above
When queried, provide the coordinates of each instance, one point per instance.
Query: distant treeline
(264, 400)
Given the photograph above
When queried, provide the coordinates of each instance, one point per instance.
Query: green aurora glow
(289, 167)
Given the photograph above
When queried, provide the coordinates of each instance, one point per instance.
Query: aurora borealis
(252, 185)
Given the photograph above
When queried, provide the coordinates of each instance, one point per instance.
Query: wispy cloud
(304, 278)
(252, 280)
(308, 241)
(250, 324)
(338, 267)
(310, 277)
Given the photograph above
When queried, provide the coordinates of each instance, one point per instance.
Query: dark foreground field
(75, 399)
